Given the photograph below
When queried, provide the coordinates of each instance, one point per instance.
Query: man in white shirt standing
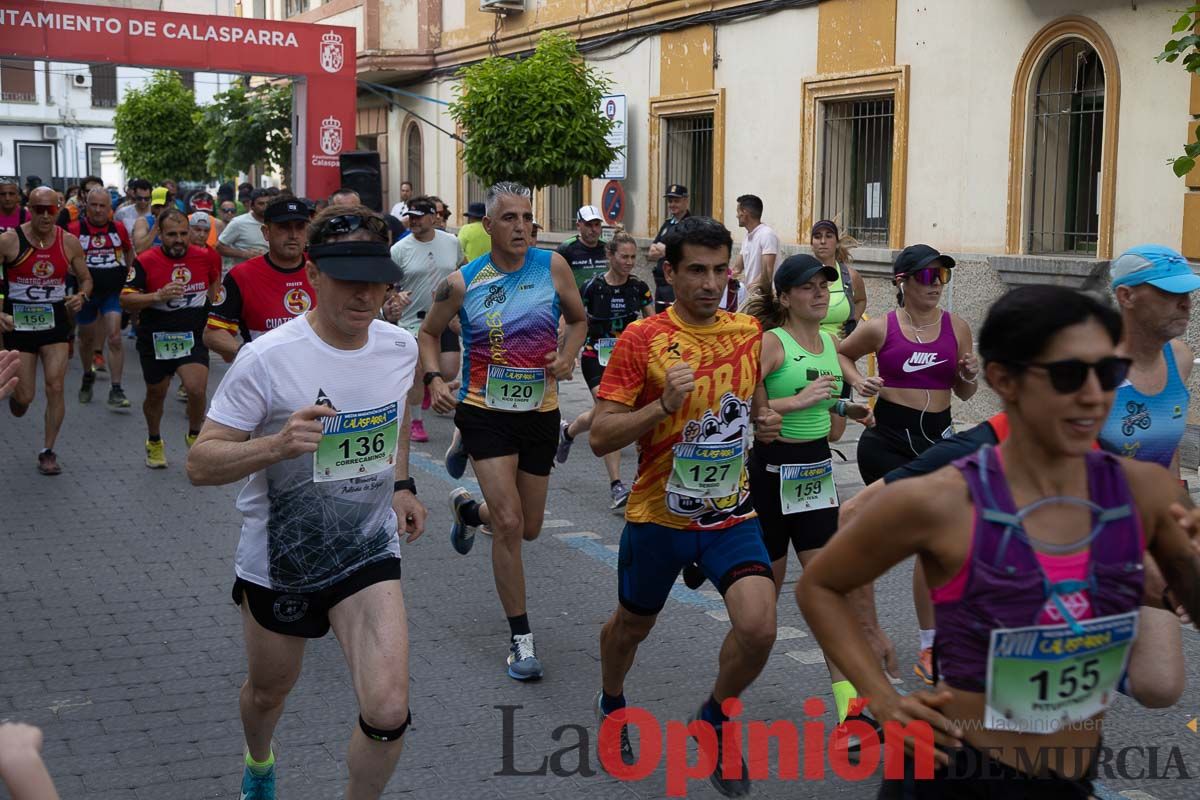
(761, 247)
(243, 238)
(426, 257)
(402, 206)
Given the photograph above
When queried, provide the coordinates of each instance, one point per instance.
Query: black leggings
(900, 435)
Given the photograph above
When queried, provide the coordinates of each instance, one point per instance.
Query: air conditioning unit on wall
(51, 131)
(502, 6)
(81, 80)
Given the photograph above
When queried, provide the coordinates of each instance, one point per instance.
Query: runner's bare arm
(865, 549)
(223, 343)
(143, 235)
(768, 422)
(10, 365)
(83, 276)
(410, 512)
(1166, 540)
(447, 300)
(571, 304)
(223, 454)
(866, 338)
(966, 378)
(860, 293)
(133, 300)
(615, 425)
(9, 245)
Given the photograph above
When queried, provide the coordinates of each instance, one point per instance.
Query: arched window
(412, 157)
(1066, 132)
(1062, 177)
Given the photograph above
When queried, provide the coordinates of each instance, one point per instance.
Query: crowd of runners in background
(1061, 519)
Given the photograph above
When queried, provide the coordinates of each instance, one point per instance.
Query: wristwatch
(406, 485)
(429, 376)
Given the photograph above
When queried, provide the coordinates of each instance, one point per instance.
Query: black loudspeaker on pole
(361, 172)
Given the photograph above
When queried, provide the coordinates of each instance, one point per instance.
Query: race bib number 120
(514, 388)
(357, 443)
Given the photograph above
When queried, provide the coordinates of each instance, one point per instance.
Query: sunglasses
(228, 209)
(40, 209)
(349, 223)
(928, 275)
(1070, 374)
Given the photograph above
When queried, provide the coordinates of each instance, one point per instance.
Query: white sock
(414, 412)
(927, 638)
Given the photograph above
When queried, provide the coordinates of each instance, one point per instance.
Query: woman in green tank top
(847, 294)
(791, 479)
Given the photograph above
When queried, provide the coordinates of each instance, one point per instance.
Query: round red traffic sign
(612, 203)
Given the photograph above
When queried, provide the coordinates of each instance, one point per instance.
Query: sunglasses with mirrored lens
(1070, 374)
(228, 209)
(928, 275)
(40, 209)
(349, 223)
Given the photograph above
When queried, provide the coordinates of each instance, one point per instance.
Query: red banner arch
(319, 58)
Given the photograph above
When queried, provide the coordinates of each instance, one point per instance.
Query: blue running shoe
(523, 664)
(456, 457)
(462, 535)
(256, 786)
(627, 756)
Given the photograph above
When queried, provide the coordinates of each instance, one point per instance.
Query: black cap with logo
(799, 269)
(289, 210)
(368, 262)
(476, 211)
(676, 190)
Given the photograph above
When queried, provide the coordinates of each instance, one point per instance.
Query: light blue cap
(1159, 266)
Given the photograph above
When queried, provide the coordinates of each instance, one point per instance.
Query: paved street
(119, 639)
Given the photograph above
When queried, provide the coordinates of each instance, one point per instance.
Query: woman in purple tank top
(924, 354)
(1034, 549)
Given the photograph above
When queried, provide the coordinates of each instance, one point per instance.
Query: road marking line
(556, 523)
(1132, 794)
(613, 548)
(719, 616)
(786, 632)
(577, 535)
(814, 656)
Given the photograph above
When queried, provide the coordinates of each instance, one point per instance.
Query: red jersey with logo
(104, 249)
(257, 296)
(198, 269)
(39, 274)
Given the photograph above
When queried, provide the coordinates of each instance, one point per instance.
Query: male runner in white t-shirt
(312, 413)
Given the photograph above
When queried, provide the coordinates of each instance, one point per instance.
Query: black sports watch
(406, 485)
(429, 376)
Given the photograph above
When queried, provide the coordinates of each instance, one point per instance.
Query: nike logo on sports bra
(919, 361)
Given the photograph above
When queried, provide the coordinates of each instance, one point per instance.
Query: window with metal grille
(293, 7)
(104, 87)
(413, 159)
(474, 191)
(1067, 137)
(856, 166)
(17, 78)
(688, 158)
(563, 204)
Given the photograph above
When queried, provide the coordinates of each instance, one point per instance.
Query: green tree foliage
(1187, 49)
(535, 120)
(156, 131)
(246, 126)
